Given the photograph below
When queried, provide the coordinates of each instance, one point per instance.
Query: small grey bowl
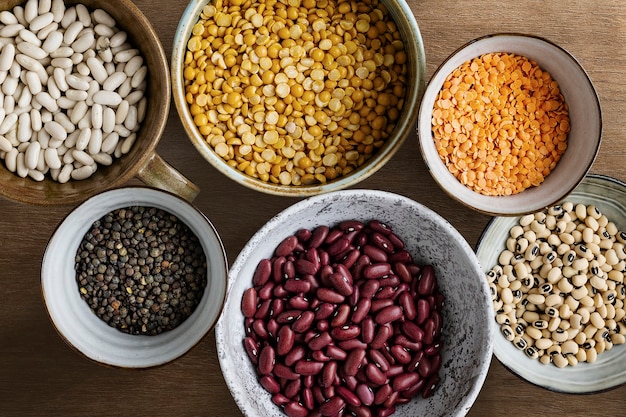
(467, 312)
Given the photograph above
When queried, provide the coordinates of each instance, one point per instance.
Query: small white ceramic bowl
(609, 370)
(91, 336)
(583, 140)
(429, 238)
(416, 79)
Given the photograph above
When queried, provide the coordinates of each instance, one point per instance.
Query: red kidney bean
(375, 375)
(429, 331)
(318, 394)
(382, 394)
(340, 283)
(348, 396)
(400, 354)
(396, 241)
(329, 296)
(355, 296)
(378, 226)
(297, 353)
(295, 409)
(353, 362)
(297, 285)
(376, 270)
(382, 334)
(392, 400)
(414, 389)
(318, 235)
(252, 349)
(312, 255)
(323, 326)
(279, 291)
(292, 388)
(262, 273)
(335, 352)
(381, 242)
(304, 266)
(365, 394)
(304, 235)
(259, 328)
(283, 371)
(378, 304)
(332, 406)
(272, 327)
(351, 344)
(430, 386)
(361, 310)
(423, 311)
(368, 329)
(288, 316)
(424, 367)
(324, 258)
(332, 236)
(427, 281)
(338, 246)
(277, 268)
(284, 341)
(265, 292)
(329, 373)
(388, 314)
(267, 359)
(303, 322)
(361, 263)
(402, 256)
(395, 370)
(306, 367)
(320, 341)
(407, 343)
(289, 270)
(390, 280)
(412, 331)
(360, 411)
(350, 225)
(249, 302)
(385, 292)
(287, 246)
(319, 356)
(299, 302)
(375, 253)
(350, 258)
(307, 399)
(386, 412)
(405, 381)
(324, 311)
(280, 399)
(433, 349)
(378, 359)
(369, 288)
(270, 384)
(402, 271)
(346, 332)
(415, 361)
(435, 363)
(277, 307)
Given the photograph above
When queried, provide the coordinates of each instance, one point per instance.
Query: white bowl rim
(375, 163)
(221, 328)
(144, 351)
(492, 204)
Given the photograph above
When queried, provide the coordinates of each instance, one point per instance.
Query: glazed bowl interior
(583, 140)
(409, 30)
(430, 239)
(91, 336)
(143, 36)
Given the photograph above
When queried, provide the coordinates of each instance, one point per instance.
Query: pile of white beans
(72, 90)
(558, 289)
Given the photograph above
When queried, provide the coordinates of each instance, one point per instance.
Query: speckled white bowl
(91, 336)
(430, 239)
(609, 370)
(583, 140)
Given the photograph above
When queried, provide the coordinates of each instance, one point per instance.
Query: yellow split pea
(500, 124)
(295, 92)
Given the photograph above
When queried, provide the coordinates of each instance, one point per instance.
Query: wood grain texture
(41, 375)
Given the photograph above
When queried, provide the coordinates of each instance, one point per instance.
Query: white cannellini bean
(33, 82)
(78, 112)
(9, 104)
(94, 87)
(31, 50)
(118, 39)
(142, 107)
(36, 175)
(128, 143)
(103, 158)
(5, 144)
(26, 97)
(114, 81)
(71, 139)
(59, 78)
(121, 112)
(72, 32)
(97, 112)
(7, 56)
(35, 120)
(44, 6)
(22, 169)
(133, 65)
(58, 10)
(47, 101)
(108, 120)
(8, 123)
(131, 122)
(82, 157)
(10, 159)
(62, 52)
(53, 90)
(41, 21)
(65, 174)
(98, 72)
(95, 142)
(77, 95)
(55, 130)
(126, 55)
(64, 120)
(47, 30)
(83, 43)
(104, 30)
(44, 139)
(77, 82)
(139, 77)
(31, 10)
(11, 31)
(101, 16)
(107, 98)
(110, 142)
(29, 37)
(64, 63)
(84, 172)
(32, 155)
(24, 129)
(52, 42)
(83, 15)
(83, 139)
(8, 18)
(52, 158)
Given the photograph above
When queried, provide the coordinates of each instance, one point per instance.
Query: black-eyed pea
(511, 244)
(497, 305)
(559, 360)
(526, 220)
(520, 326)
(531, 352)
(580, 338)
(507, 332)
(534, 333)
(620, 313)
(578, 236)
(516, 231)
(572, 333)
(521, 269)
(506, 295)
(572, 360)
(543, 343)
(530, 236)
(581, 355)
(611, 257)
(559, 335)
(545, 359)
(552, 312)
(503, 319)
(569, 271)
(536, 299)
(505, 257)
(621, 328)
(592, 223)
(530, 316)
(610, 311)
(564, 285)
(591, 355)
(517, 295)
(503, 281)
(590, 331)
(569, 347)
(572, 303)
(554, 274)
(598, 283)
(554, 323)
(579, 280)
(564, 325)
(575, 321)
(519, 342)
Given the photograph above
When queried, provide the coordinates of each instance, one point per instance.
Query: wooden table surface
(41, 375)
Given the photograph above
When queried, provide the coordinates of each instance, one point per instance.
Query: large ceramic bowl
(415, 81)
(91, 336)
(467, 310)
(609, 370)
(583, 140)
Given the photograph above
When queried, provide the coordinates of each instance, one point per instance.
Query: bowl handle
(159, 174)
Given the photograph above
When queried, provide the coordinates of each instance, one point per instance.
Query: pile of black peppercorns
(141, 270)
